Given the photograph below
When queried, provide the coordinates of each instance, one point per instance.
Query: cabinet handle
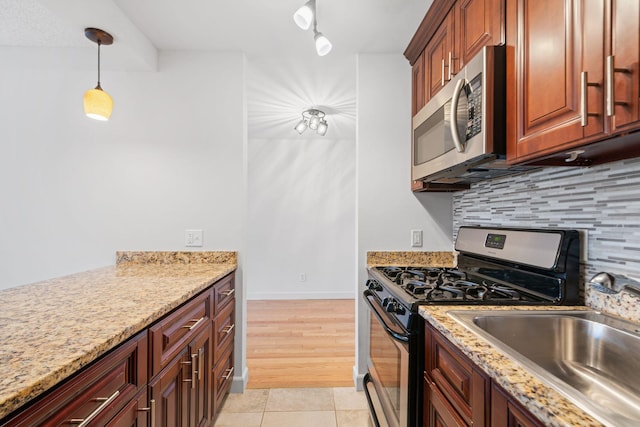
(228, 293)
(152, 410)
(442, 83)
(228, 329)
(609, 85)
(192, 327)
(192, 362)
(451, 59)
(106, 401)
(228, 375)
(200, 358)
(584, 98)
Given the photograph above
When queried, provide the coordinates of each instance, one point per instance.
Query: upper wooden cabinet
(572, 79)
(450, 35)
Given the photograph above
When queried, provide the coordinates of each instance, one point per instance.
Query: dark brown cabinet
(572, 79)
(456, 391)
(175, 373)
(448, 37)
(98, 393)
(505, 412)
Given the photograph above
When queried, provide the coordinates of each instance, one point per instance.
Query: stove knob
(374, 285)
(391, 306)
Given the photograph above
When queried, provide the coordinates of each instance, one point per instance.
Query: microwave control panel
(474, 99)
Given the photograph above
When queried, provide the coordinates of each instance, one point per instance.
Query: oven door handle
(393, 334)
(367, 380)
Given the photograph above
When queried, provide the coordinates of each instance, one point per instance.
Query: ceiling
(280, 55)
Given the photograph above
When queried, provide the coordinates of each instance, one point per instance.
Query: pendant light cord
(99, 64)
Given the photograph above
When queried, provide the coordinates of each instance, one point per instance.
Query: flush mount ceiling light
(313, 119)
(304, 17)
(97, 103)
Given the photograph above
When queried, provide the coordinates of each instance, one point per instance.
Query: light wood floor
(300, 343)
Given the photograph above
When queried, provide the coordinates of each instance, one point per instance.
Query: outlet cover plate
(193, 238)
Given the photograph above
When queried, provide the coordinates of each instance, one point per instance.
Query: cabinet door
(623, 64)
(417, 85)
(437, 54)
(546, 56)
(479, 23)
(169, 392)
(200, 392)
(438, 411)
(506, 413)
(135, 414)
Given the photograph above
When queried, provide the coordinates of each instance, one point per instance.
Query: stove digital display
(495, 241)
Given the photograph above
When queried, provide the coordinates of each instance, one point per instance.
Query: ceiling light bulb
(98, 104)
(323, 45)
(322, 127)
(304, 16)
(314, 121)
(301, 126)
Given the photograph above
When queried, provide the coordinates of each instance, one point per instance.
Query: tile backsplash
(603, 200)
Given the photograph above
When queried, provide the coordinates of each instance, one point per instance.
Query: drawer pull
(152, 410)
(228, 293)
(106, 401)
(228, 329)
(228, 375)
(198, 321)
(200, 358)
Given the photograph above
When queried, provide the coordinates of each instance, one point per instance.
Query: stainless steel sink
(591, 358)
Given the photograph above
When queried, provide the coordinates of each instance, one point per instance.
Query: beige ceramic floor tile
(252, 400)
(231, 419)
(348, 398)
(299, 419)
(359, 418)
(300, 399)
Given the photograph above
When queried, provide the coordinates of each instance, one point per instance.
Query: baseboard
(358, 379)
(239, 383)
(299, 295)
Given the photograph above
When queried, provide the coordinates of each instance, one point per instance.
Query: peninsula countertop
(541, 400)
(51, 329)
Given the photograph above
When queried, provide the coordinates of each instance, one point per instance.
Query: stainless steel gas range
(496, 266)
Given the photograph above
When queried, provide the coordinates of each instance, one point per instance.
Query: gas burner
(417, 287)
(450, 276)
(443, 294)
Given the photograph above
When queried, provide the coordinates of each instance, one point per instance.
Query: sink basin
(590, 358)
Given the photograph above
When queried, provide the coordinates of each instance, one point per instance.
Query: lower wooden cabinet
(506, 412)
(169, 375)
(458, 394)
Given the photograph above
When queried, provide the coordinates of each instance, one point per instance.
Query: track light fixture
(313, 119)
(97, 103)
(304, 17)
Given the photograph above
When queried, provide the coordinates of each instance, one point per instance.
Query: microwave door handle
(454, 116)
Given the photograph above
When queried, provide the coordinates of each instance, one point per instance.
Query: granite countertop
(543, 401)
(51, 329)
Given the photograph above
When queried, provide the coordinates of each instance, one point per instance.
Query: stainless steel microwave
(459, 135)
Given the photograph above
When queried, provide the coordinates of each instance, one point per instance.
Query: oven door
(388, 364)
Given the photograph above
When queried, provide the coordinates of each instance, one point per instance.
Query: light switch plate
(416, 238)
(193, 237)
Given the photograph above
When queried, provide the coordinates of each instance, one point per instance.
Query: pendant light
(313, 119)
(97, 103)
(304, 17)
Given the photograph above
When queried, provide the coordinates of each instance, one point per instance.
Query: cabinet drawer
(223, 293)
(134, 414)
(439, 411)
(224, 329)
(452, 374)
(97, 393)
(173, 333)
(222, 377)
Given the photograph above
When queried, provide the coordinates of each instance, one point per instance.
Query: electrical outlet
(303, 277)
(193, 237)
(416, 238)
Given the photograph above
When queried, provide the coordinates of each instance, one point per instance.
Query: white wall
(301, 211)
(386, 208)
(75, 190)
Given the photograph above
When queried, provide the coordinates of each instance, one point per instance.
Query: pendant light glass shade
(304, 15)
(323, 45)
(301, 126)
(98, 104)
(322, 127)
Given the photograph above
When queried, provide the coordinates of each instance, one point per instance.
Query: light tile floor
(295, 407)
